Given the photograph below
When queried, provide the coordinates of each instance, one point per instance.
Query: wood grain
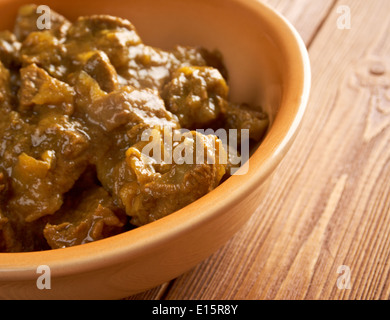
(307, 16)
(327, 210)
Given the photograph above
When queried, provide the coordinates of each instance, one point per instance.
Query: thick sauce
(75, 101)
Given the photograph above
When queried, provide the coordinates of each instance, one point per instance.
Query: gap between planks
(300, 13)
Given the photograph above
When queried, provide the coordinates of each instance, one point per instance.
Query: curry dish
(75, 100)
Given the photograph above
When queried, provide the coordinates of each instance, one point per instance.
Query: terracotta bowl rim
(144, 240)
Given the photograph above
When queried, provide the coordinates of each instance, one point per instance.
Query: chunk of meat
(9, 242)
(148, 67)
(26, 22)
(113, 173)
(3, 185)
(13, 125)
(99, 67)
(87, 90)
(127, 105)
(3, 237)
(200, 57)
(241, 116)
(39, 88)
(9, 49)
(50, 160)
(62, 134)
(197, 95)
(93, 219)
(109, 34)
(156, 189)
(5, 88)
(48, 52)
(29, 181)
(188, 56)
(96, 25)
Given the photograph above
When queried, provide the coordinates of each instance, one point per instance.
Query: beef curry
(74, 102)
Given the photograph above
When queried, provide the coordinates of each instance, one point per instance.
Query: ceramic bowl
(268, 65)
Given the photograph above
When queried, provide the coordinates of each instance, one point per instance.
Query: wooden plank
(326, 215)
(306, 16)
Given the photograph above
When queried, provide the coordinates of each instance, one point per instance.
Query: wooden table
(326, 217)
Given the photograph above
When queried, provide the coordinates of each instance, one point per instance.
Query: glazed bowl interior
(268, 67)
